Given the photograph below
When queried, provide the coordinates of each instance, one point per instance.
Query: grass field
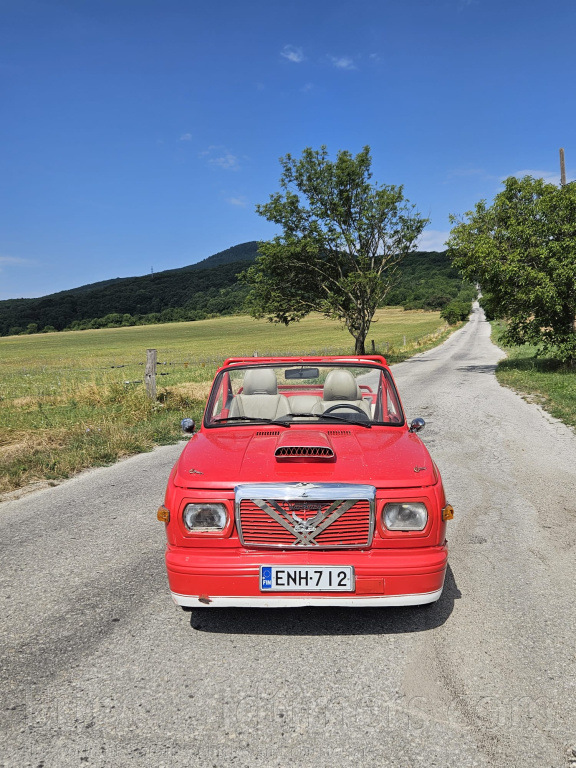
(73, 400)
(542, 380)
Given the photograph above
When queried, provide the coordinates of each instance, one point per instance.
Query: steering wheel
(349, 407)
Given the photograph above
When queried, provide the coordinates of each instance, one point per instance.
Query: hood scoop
(304, 450)
(304, 446)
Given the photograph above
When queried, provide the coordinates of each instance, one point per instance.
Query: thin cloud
(469, 173)
(228, 161)
(185, 137)
(293, 54)
(307, 88)
(240, 202)
(432, 240)
(343, 62)
(13, 260)
(221, 157)
(552, 177)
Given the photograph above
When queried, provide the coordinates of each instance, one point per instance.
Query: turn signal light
(163, 514)
(448, 512)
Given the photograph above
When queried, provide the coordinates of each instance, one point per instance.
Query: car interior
(271, 394)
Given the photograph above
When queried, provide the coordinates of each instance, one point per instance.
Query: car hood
(381, 456)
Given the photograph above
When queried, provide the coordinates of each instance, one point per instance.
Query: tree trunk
(359, 345)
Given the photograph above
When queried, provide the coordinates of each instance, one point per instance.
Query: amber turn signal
(163, 514)
(448, 512)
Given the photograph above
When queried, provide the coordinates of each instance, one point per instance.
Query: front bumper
(200, 577)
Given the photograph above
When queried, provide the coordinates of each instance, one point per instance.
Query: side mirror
(416, 425)
(187, 426)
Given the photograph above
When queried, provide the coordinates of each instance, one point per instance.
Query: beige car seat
(260, 398)
(305, 404)
(340, 388)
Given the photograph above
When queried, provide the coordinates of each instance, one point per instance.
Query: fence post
(373, 347)
(150, 373)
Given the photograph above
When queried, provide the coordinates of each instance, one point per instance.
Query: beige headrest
(340, 385)
(260, 381)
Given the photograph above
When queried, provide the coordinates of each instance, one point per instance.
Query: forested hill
(242, 252)
(207, 288)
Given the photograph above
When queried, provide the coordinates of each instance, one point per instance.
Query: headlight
(205, 517)
(407, 516)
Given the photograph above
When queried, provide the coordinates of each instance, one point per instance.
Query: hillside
(200, 288)
(207, 288)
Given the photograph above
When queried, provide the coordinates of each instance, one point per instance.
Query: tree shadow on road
(478, 368)
(328, 621)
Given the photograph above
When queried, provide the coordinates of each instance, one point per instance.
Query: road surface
(99, 668)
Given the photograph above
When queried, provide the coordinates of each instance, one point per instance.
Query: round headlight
(406, 516)
(205, 517)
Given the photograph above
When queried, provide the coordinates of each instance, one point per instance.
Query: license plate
(314, 578)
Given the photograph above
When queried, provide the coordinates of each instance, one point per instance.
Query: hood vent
(339, 433)
(266, 434)
(298, 451)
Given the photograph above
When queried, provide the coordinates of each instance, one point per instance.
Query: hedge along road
(99, 667)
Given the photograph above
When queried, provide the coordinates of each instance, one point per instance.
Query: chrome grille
(303, 520)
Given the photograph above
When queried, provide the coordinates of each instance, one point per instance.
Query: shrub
(456, 311)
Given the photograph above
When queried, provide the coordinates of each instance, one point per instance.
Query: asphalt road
(99, 668)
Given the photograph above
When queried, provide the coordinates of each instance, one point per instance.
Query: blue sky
(141, 133)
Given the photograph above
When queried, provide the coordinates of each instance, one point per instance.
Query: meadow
(73, 400)
(542, 380)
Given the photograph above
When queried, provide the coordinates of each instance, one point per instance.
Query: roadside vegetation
(544, 380)
(521, 251)
(69, 401)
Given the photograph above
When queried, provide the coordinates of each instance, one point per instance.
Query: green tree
(456, 311)
(342, 240)
(522, 251)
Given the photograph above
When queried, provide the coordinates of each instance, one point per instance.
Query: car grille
(305, 525)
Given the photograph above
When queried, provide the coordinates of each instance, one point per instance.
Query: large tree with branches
(522, 252)
(342, 240)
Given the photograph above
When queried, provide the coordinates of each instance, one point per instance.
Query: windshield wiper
(343, 419)
(257, 419)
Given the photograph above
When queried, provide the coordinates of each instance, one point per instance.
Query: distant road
(99, 668)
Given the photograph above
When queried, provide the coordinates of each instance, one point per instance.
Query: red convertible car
(305, 486)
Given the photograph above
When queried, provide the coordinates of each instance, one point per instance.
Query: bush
(456, 311)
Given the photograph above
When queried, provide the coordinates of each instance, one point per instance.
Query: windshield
(304, 393)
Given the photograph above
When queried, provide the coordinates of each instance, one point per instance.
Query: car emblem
(195, 471)
(305, 531)
(303, 488)
(419, 469)
(306, 526)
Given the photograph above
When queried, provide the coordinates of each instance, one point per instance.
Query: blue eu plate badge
(266, 578)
